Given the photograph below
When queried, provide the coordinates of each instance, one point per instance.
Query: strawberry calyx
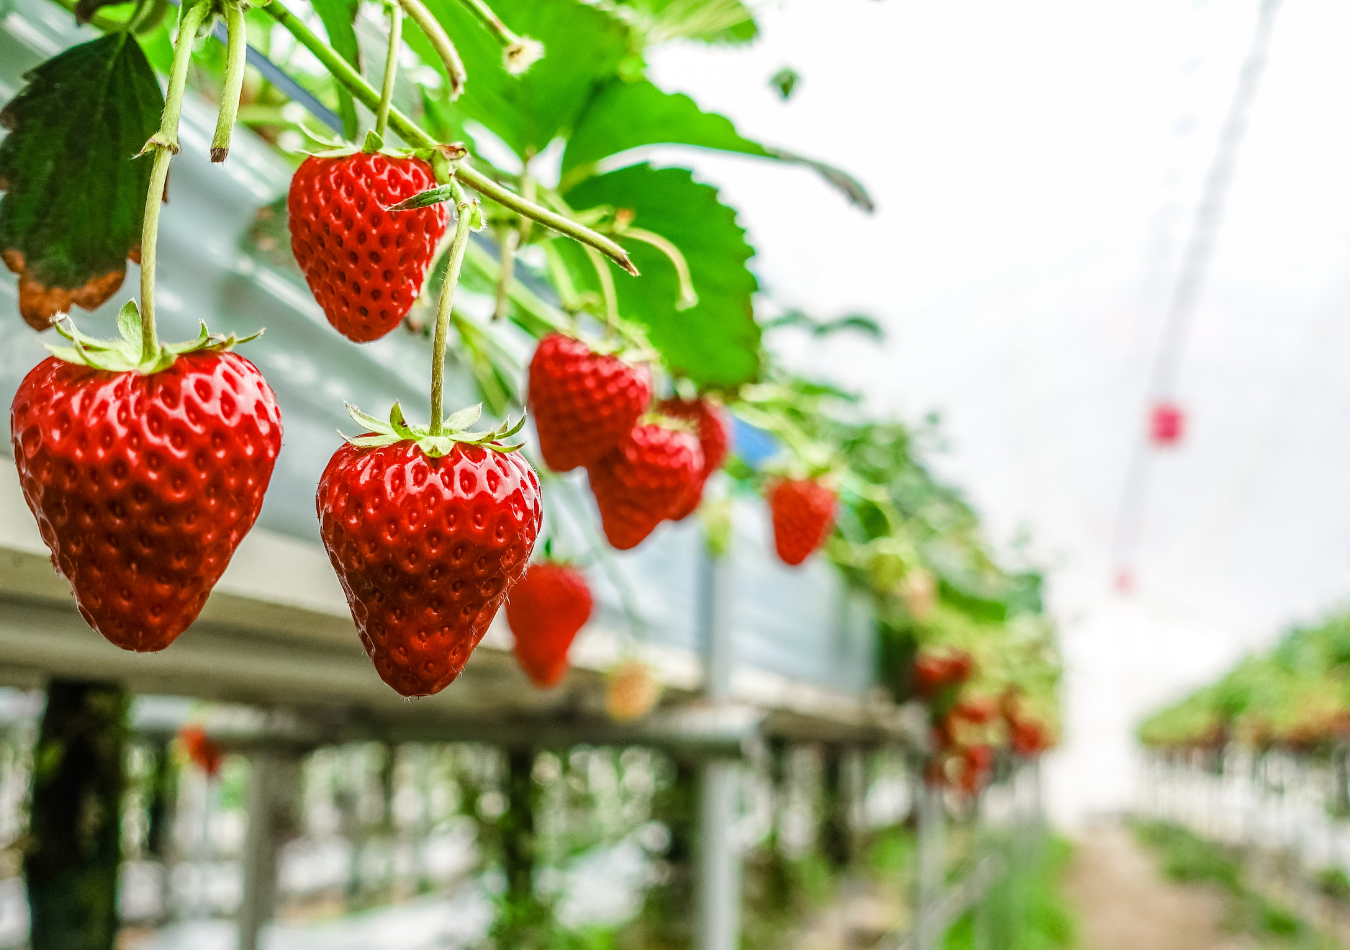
(439, 157)
(127, 354)
(454, 431)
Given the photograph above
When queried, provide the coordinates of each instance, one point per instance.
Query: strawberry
(803, 514)
(714, 437)
(144, 481)
(427, 534)
(936, 669)
(546, 609)
(1027, 737)
(632, 691)
(364, 264)
(200, 750)
(640, 482)
(584, 403)
(974, 765)
(977, 709)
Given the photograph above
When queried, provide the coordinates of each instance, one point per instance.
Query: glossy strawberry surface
(640, 482)
(143, 486)
(713, 428)
(803, 514)
(583, 403)
(427, 550)
(545, 610)
(364, 265)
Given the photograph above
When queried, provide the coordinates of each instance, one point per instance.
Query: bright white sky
(1036, 167)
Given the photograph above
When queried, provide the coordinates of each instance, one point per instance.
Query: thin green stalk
(164, 144)
(463, 214)
(688, 298)
(417, 137)
(606, 288)
(506, 270)
(236, 47)
(440, 42)
(518, 52)
(390, 69)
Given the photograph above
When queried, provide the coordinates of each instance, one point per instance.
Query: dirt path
(1123, 904)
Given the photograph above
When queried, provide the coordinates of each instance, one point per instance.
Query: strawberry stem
(687, 296)
(518, 51)
(390, 69)
(463, 224)
(415, 136)
(235, 48)
(164, 144)
(440, 41)
(606, 288)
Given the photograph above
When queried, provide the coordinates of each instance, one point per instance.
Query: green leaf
(709, 21)
(461, 420)
(627, 115)
(75, 192)
(338, 17)
(584, 46)
(715, 343)
(129, 324)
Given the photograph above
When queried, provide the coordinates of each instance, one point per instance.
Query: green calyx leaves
(127, 354)
(454, 431)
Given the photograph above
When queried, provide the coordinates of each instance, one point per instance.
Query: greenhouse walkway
(1123, 903)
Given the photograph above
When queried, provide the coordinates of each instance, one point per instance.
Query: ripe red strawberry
(426, 549)
(545, 610)
(144, 485)
(974, 766)
(935, 669)
(200, 750)
(364, 265)
(583, 403)
(803, 514)
(977, 709)
(714, 437)
(640, 482)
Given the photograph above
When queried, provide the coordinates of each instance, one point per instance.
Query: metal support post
(718, 874)
(932, 865)
(271, 784)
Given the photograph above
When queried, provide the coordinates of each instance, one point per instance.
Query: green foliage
(715, 343)
(1190, 859)
(709, 21)
(338, 18)
(75, 190)
(625, 115)
(1295, 697)
(1026, 909)
(529, 111)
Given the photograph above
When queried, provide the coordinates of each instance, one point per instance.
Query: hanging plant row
(1295, 698)
(146, 462)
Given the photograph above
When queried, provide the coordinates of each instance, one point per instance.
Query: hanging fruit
(803, 516)
(200, 750)
(144, 483)
(642, 481)
(936, 668)
(713, 428)
(1167, 424)
(364, 264)
(584, 403)
(546, 609)
(632, 691)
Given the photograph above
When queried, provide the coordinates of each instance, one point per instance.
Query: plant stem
(235, 49)
(164, 144)
(606, 288)
(415, 136)
(688, 298)
(440, 41)
(506, 270)
(463, 214)
(390, 69)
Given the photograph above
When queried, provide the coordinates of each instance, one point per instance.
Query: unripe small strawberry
(583, 403)
(632, 691)
(803, 515)
(364, 265)
(545, 610)
(713, 428)
(639, 483)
